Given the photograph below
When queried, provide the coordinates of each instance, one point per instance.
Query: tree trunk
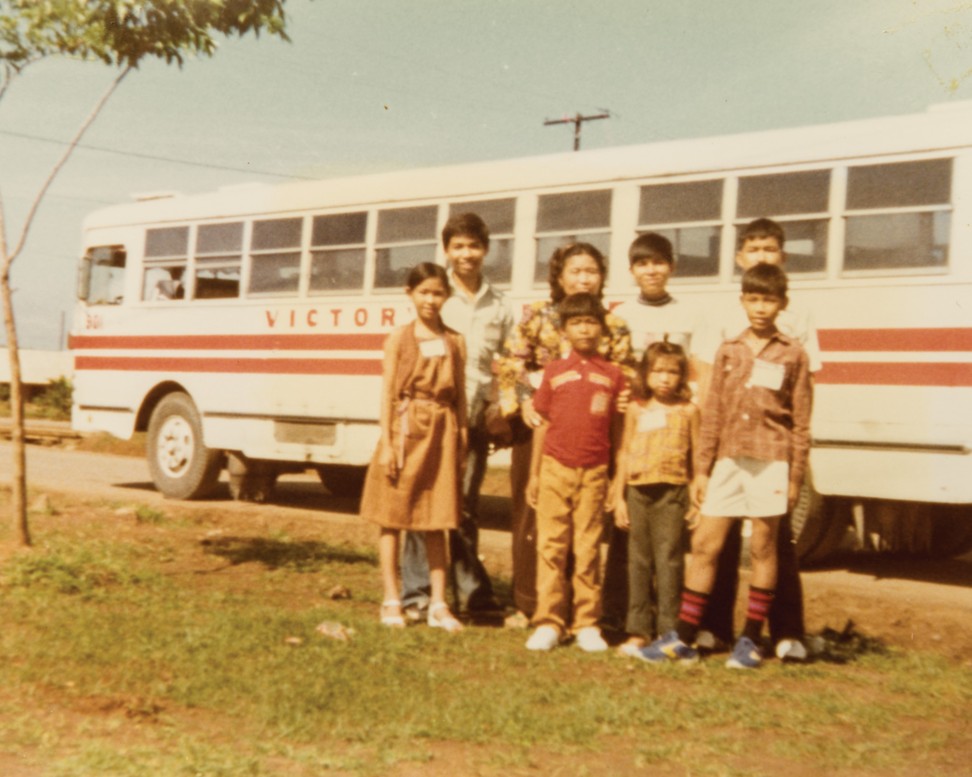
(19, 480)
(7, 257)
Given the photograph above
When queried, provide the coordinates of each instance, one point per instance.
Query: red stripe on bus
(236, 366)
(932, 339)
(895, 374)
(270, 342)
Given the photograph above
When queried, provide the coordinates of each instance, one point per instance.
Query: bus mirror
(84, 277)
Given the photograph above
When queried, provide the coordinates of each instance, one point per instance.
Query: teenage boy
(653, 316)
(568, 482)
(750, 462)
(484, 317)
(760, 242)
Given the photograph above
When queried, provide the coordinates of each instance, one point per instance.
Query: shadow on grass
(845, 646)
(305, 556)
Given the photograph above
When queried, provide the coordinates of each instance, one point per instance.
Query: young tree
(120, 33)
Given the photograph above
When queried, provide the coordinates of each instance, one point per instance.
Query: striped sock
(690, 614)
(757, 611)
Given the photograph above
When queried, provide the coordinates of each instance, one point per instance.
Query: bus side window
(898, 216)
(406, 236)
(219, 257)
(690, 215)
(569, 218)
(163, 283)
(102, 277)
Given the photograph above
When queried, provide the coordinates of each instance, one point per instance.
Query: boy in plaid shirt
(751, 459)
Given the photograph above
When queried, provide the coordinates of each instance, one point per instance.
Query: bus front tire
(182, 467)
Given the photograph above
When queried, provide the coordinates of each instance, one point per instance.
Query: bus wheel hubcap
(175, 447)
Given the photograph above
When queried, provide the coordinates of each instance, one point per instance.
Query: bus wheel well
(151, 400)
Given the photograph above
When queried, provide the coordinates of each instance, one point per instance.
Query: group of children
(668, 464)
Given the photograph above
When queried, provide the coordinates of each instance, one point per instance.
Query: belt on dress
(404, 400)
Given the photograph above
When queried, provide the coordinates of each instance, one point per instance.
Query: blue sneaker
(745, 655)
(668, 648)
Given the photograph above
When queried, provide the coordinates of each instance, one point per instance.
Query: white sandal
(393, 621)
(441, 618)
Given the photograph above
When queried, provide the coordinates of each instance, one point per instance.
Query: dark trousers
(471, 586)
(523, 530)
(786, 612)
(656, 557)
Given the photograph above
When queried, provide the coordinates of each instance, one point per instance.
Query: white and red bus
(244, 327)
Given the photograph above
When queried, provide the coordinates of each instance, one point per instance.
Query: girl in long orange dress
(414, 480)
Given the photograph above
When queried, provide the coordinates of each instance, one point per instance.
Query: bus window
(406, 237)
(275, 256)
(913, 229)
(217, 283)
(102, 280)
(166, 258)
(338, 252)
(782, 197)
(161, 283)
(570, 218)
(689, 214)
(500, 217)
(219, 256)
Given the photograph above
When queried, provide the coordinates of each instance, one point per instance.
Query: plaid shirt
(758, 405)
(660, 447)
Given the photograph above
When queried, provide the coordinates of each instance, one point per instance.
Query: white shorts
(747, 488)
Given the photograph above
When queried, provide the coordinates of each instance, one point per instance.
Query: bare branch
(35, 205)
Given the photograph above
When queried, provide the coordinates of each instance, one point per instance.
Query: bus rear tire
(342, 480)
(182, 467)
(951, 531)
(819, 526)
(250, 480)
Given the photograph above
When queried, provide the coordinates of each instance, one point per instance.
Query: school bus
(243, 328)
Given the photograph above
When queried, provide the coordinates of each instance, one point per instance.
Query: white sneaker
(544, 638)
(589, 640)
(791, 650)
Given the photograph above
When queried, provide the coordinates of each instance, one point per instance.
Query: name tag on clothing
(432, 348)
(600, 403)
(650, 420)
(767, 375)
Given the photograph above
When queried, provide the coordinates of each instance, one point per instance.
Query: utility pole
(577, 120)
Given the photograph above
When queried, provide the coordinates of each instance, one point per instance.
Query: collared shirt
(660, 447)
(653, 323)
(538, 340)
(728, 322)
(485, 320)
(578, 397)
(758, 405)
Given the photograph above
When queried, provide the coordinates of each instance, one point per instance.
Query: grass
(148, 645)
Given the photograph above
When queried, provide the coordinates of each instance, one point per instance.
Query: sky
(368, 87)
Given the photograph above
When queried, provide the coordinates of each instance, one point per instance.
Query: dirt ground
(907, 602)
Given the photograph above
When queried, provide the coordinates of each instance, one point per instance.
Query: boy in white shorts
(750, 463)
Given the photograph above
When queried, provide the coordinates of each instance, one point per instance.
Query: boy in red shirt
(568, 483)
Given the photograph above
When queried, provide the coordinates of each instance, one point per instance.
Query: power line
(137, 155)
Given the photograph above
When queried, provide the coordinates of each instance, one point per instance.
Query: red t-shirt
(578, 397)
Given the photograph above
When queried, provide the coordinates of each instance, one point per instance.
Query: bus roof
(943, 126)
